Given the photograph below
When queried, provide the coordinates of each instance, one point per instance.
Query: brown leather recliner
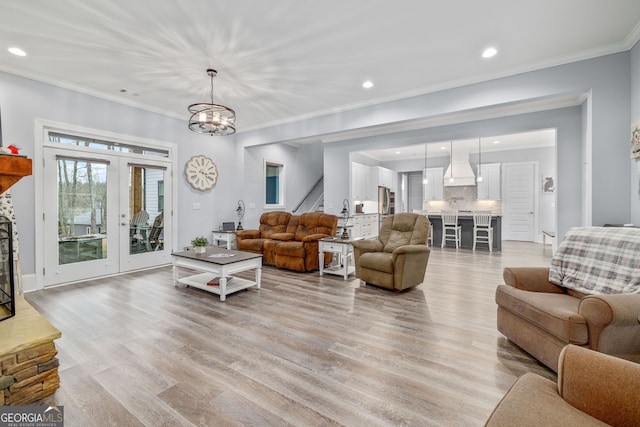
(300, 252)
(253, 240)
(397, 259)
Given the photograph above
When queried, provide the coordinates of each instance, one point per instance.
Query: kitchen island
(465, 219)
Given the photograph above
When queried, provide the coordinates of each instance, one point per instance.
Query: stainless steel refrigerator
(386, 202)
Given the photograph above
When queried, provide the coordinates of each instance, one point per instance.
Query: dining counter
(466, 239)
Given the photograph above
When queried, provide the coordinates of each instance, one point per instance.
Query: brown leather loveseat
(289, 241)
(299, 252)
(253, 240)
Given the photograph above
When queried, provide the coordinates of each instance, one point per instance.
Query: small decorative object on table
(240, 212)
(345, 216)
(200, 244)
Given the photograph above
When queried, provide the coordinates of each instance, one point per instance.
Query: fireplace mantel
(12, 168)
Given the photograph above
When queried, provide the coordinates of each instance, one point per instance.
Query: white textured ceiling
(286, 59)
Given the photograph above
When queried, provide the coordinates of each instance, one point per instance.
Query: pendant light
(479, 179)
(425, 180)
(451, 180)
(210, 118)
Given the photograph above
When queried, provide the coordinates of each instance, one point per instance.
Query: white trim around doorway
(41, 129)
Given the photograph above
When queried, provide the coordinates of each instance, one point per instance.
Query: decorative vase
(199, 249)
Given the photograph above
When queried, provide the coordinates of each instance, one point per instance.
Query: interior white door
(519, 202)
(415, 195)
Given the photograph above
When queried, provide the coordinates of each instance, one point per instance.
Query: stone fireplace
(28, 366)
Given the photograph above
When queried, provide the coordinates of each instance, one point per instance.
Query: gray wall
(303, 167)
(635, 115)
(566, 121)
(606, 81)
(22, 101)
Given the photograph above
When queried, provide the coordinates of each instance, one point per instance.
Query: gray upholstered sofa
(590, 296)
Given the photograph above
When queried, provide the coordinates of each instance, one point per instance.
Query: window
(161, 196)
(274, 184)
(106, 145)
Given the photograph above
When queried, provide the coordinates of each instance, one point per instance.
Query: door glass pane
(146, 209)
(82, 211)
(106, 145)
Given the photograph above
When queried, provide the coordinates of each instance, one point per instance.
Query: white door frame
(41, 129)
(536, 226)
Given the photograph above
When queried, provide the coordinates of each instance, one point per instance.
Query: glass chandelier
(212, 119)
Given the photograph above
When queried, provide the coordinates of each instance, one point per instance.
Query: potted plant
(200, 244)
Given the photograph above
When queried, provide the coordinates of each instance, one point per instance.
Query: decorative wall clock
(201, 172)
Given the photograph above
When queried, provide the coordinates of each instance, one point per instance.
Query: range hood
(462, 172)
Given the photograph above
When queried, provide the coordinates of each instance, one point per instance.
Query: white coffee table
(217, 262)
(343, 248)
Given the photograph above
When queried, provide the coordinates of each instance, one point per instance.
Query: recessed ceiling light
(397, 152)
(496, 142)
(443, 148)
(368, 84)
(17, 51)
(489, 52)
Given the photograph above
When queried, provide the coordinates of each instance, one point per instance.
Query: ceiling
(287, 59)
(519, 141)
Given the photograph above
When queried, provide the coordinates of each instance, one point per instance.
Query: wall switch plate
(252, 205)
(196, 206)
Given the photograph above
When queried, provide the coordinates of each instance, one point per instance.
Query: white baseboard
(29, 283)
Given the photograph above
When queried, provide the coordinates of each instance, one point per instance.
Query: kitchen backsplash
(462, 198)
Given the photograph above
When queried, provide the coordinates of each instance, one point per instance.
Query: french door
(104, 214)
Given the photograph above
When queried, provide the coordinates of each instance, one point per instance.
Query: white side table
(343, 248)
(225, 236)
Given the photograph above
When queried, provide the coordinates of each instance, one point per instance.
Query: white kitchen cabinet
(365, 226)
(489, 187)
(432, 190)
(364, 186)
(386, 178)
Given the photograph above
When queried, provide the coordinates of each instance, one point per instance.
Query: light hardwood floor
(304, 350)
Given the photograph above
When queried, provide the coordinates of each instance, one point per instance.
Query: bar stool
(481, 225)
(426, 215)
(450, 223)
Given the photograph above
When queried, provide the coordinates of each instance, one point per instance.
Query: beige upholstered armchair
(593, 389)
(397, 259)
